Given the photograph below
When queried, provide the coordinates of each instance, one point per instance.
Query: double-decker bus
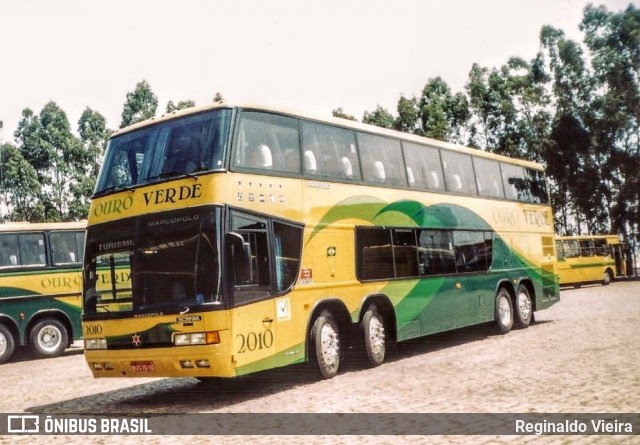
(40, 286)
(590, 259)
(257, 237)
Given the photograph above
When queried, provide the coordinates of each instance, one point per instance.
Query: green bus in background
(40, 286)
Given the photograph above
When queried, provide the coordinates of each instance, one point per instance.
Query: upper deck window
(330, 152)
(381, 160)
(169, 149)
(267, 142)
(424, 168)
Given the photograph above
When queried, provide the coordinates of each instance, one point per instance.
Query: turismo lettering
(173, 194)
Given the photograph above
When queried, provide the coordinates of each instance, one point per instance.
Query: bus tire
(48, 338)
(7, 344)
(325, 338)
(608, 277)
(375, 338)
(504, 311)
(523, 310)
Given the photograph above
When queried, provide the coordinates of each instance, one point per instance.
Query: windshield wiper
(174, 174)
(116, 188)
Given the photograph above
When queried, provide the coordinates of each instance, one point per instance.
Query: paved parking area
(581, 356)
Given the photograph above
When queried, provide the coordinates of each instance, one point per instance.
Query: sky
(308, 55)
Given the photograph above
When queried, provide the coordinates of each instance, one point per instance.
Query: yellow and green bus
(590, 259)
(40, 286)
(254, 238)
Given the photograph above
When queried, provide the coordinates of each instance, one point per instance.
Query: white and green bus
(253, 237)
(40, 286)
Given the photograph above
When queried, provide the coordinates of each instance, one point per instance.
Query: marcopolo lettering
(173, 220)
(173, 194)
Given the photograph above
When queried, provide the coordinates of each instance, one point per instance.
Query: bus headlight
(196, 338)
(95, 343)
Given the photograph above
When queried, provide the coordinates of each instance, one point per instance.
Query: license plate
(143, 366)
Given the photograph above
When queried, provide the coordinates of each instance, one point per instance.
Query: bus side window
(488, 177)
(381, 160)
(9, 250)
(32, 251)
(329, 152)
(424, 165)
(287, 249)
(458, 173)
(256, 284)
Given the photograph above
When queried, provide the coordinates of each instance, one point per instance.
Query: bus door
(473, 258)
(619, 258)
(250, 275)
(263, 261)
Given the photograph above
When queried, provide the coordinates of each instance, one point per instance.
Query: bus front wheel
(504, 311)
(375, 338)
(607, 277)
(523, 307)
(325, 337)
(48, 338)
(7, 344)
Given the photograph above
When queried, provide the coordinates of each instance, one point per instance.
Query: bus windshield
(167, 150)
(159, 262)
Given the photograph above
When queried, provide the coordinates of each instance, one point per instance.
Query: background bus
(40, 286)
(590, 259)
(256, 238)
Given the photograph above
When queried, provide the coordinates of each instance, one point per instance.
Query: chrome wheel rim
(376, 336)
(329, 346)
(49, 338)
(524, 305)
(3, 344)
(504, 311)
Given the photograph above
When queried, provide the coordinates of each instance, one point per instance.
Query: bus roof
(39, 227)
(332, 121)
(579, 237)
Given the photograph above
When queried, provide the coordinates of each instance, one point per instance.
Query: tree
(28, 136)
(443, 115)
(339, 112)
(408, 119)
(380, 117)
(20, 187)
(94, 136)
(180, 105)
(67, 154)
(614, 42)
(141, 104)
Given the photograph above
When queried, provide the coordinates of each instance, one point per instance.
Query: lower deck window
(386, 253)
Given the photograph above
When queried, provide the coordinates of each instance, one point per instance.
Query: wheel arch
(341, 315)
(386, 310)
(526, 282)
(612, 274)
(508, 285)
(12, 326)
(54, 314)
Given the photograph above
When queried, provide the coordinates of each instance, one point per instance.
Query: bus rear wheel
(375, 338)
(606, 280)
(504, 311)
(325, 337)
(523, 307)
(7, 344)
(48, 338)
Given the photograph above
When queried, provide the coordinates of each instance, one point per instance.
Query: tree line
(574, 108)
